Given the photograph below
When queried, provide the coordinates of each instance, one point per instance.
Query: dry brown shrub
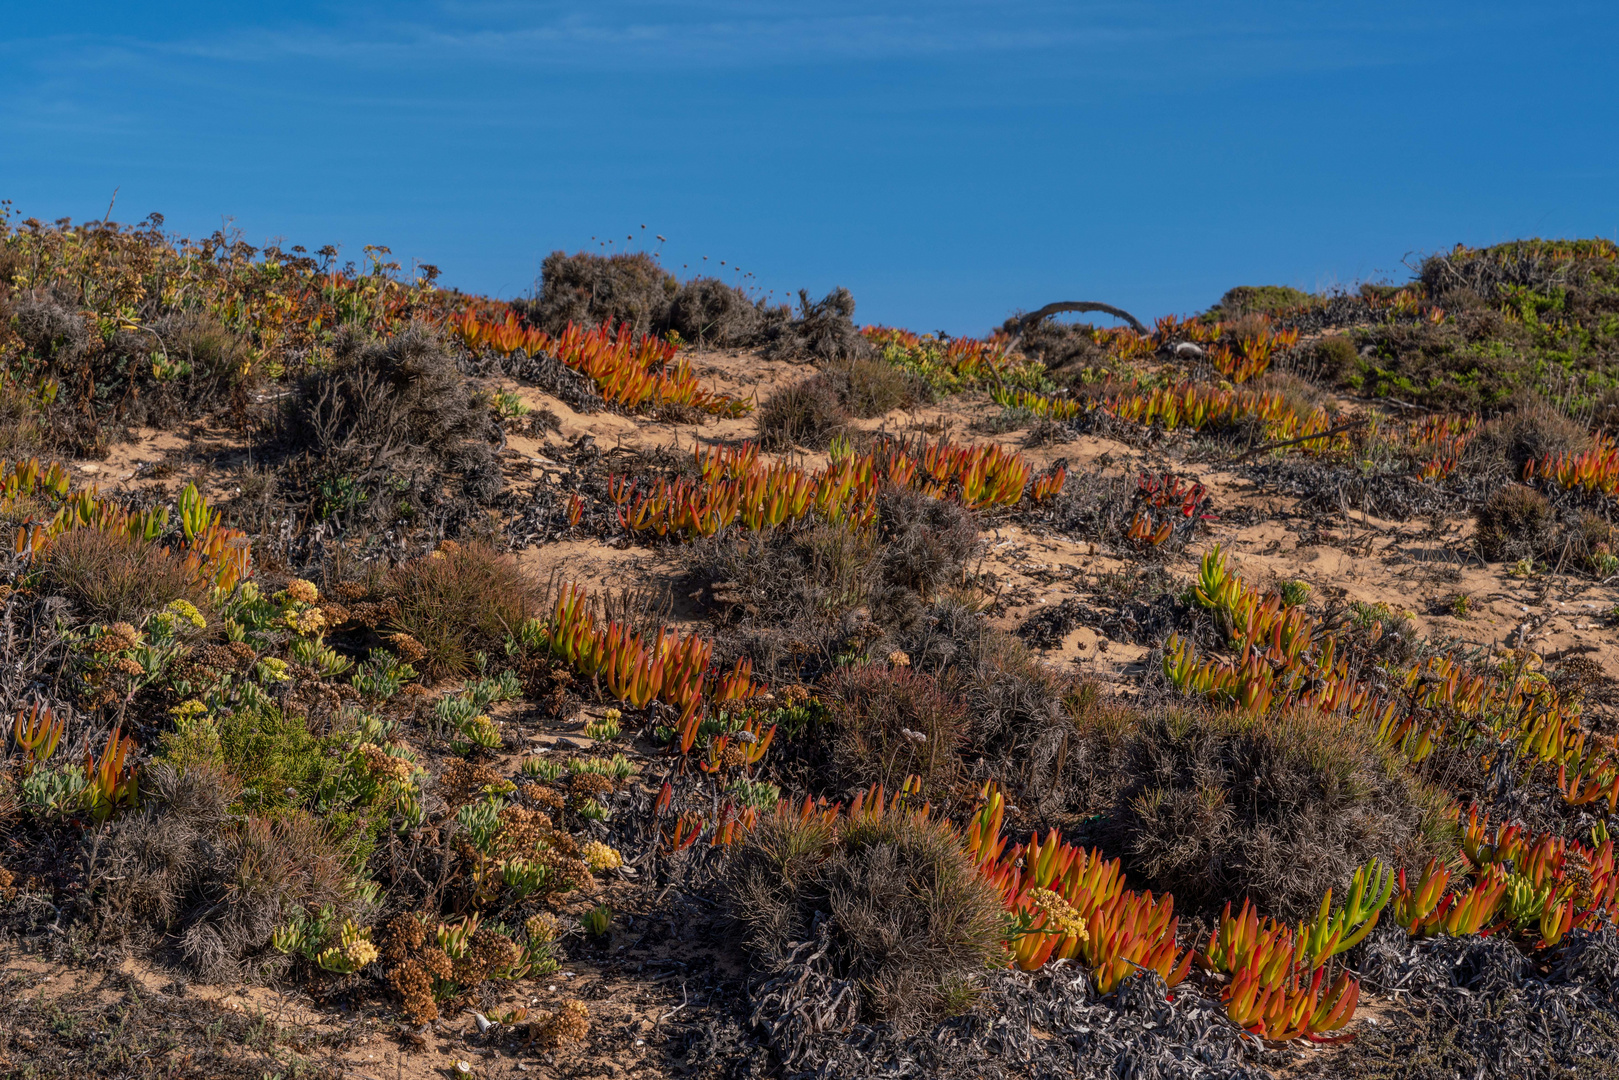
(807, 413)
(110, 577)
(909, 918)
(463, 599)
(894, 723)
(1217, 806)
(1515, 522)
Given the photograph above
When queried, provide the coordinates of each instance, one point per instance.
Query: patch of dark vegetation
(1516, 522)
(392, 421)
(150, 1034)
(807, 413)
(890, 907)
(708, 312)
(1026, 1025)
(588, 289)
(824, 329)
(1066, 349)
(1212, 806)
(1478, 1007)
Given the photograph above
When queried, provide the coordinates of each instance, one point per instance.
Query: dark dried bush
(587, 289)
(463, 599)
(222, 884)
(110, 577)
(807, 413)
(1064, 348)
(1215, 807)
(892, 723)
(906, 916)
(709, 312)
(396, 415)
(786, 594)
(824, 330)
(1515, 522)
(143, 869)
(51, 326)
(1020, 725)
(262, 870)
(870, 388)
(1530, 431)
(925, 544)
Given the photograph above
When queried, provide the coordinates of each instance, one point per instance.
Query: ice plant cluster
(1285, 659)
(214, 554)
(735, 489)
(669, 668)
(954, 364)
(1591, 472)
(629, 370)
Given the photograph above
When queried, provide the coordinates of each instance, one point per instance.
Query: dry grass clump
(868, 388)
(807, 413)
(709, 312)
(459, 600)
(396, 414)
(587, 289)
(907, 916)
(1531, 431)
(824, 330)
(110, 577)
(222, 884)
(1217, 806)
(892, 723)
(1515, 522)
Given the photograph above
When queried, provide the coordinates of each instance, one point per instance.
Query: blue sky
(949, 162)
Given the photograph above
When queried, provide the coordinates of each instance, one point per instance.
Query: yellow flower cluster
(188, 709)
(308, 622)
(186, 610)
(301, 591)
(360, 953)
(600, 857)
(1059, 913)
(543, 928)
(273, 669)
